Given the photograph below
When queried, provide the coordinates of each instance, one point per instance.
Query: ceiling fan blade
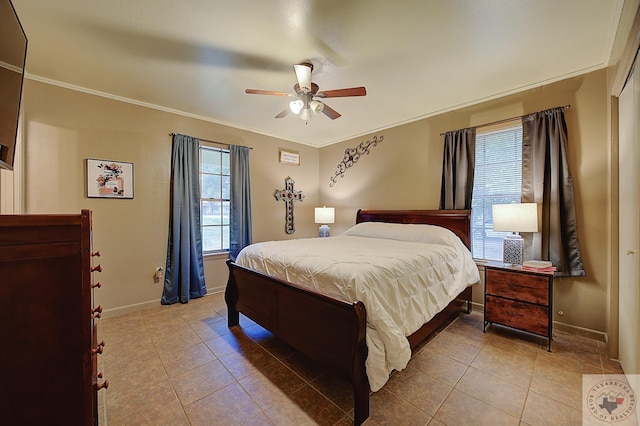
(283, 113)
(303, 73)
(351, 91)
(330, 112)
(267, 92)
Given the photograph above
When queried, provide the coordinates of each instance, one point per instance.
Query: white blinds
(497, 180)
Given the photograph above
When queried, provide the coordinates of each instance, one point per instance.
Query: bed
(348, 302)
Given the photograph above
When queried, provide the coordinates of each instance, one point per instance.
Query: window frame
(224, 227)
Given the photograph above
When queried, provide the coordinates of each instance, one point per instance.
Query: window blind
(497, 180)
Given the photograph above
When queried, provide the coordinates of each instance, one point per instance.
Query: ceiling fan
(306, 106)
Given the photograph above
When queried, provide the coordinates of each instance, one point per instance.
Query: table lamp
(514, 218)
(324, 215)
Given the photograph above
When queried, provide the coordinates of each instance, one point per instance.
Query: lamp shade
(325, 215)
(316, 106)
(296, 106)
(305, 114)
(521, 217)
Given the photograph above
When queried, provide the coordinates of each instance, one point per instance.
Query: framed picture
(289, 157)
(109, 179)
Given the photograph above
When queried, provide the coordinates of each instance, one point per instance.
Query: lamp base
(513, 250)
(323, 231)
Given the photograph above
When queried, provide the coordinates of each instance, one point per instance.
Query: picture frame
(289, 157)
(109, 179)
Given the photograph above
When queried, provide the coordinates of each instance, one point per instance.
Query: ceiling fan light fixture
(316, 106)
(296, 106)
(305, 91)
(305, 114)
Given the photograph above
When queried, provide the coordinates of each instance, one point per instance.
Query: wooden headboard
(458, 221)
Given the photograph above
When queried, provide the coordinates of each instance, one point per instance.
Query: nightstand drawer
(524, 287)
(525, 316)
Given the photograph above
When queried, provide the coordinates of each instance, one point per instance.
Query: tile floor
(181, 365)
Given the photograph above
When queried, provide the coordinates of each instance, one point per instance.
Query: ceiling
(416, 58)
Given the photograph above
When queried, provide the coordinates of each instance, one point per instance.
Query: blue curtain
(240, 221)
(184, 273)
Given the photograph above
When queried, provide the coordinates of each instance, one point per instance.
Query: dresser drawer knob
(103, 385)
(99, 349)
(96, 269)
(96, 312)
(95, 253)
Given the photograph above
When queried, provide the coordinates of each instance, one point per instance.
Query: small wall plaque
(289, 157)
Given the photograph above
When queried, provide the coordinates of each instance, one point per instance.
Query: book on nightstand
(538, 265)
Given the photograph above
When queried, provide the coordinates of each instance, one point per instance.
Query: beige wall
(404, 172)
(64, 127)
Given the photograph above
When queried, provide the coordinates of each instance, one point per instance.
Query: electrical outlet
(159, 272)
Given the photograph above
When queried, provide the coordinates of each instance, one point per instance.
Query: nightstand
(518, 298)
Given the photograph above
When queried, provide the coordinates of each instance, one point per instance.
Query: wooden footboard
(328, 330)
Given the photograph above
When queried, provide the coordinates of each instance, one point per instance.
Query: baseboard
(475, 306)
(123, 310)
(600, 336)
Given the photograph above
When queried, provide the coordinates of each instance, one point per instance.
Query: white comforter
(404, 275)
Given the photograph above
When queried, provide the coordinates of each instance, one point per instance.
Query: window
(497, 180)
(215, 187)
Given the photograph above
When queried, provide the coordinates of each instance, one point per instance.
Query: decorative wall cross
(289, 195)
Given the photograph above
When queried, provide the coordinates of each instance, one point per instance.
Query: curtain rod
(207, 140)
(508, 119)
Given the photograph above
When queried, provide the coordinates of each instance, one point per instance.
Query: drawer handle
(99, 349)
(103, 385)
(514, 314)
(95, 253)
(97, 269)
(96, 285)
(96, 312)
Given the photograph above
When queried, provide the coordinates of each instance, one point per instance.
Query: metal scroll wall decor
(352, 155)
(289, 195)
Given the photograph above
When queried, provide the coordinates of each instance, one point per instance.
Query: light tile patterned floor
(181, 365)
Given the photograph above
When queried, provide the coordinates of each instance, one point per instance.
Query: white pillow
(430, 234)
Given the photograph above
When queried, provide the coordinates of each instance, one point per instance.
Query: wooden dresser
(519, 298)
(49, 346)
